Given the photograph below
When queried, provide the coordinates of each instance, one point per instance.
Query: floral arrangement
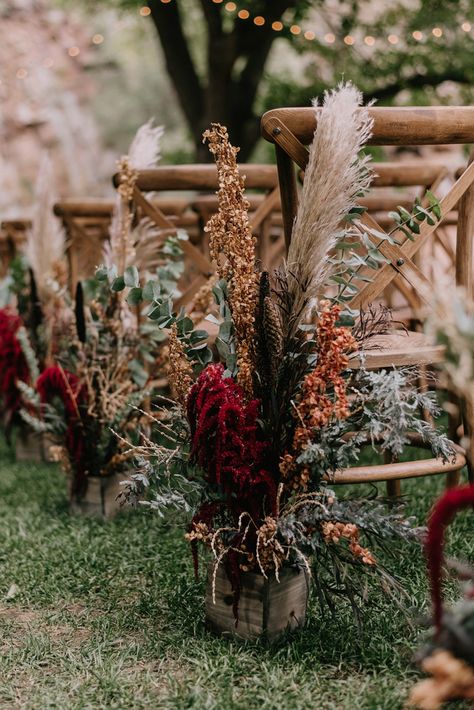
(34, 303)
(266, 418)
(449, 656)
(103, 378)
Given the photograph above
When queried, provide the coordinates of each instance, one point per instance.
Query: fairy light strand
(329, 38)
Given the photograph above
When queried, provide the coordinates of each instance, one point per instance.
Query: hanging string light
(310, 36)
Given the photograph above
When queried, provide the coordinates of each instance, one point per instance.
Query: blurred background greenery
(79, 78)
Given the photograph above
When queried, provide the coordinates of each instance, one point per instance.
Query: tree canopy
(228, 62)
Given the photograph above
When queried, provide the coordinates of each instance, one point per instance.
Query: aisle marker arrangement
(251, 446)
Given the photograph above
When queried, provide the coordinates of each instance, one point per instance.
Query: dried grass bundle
(335, 177)
(144, 153)
(45, 239)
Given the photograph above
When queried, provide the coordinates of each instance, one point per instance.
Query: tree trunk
(227, 98)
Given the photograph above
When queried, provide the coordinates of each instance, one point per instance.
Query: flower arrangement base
(267, 608)
(29, 446)
(100, 498)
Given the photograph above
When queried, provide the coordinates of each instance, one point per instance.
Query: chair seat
(404, 469)
(397, 349)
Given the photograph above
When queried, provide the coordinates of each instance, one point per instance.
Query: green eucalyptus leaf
(118, 284)
(134, 296)
(131, 277)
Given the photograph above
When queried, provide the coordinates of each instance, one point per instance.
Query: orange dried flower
(333, 532)
(316, 409)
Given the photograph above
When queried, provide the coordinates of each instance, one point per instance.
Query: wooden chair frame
(291, 130)
(78, 216)
(12, 238)
(200, 177)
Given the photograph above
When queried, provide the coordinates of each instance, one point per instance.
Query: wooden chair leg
(394, 490)
(453, 479)
(394, 487)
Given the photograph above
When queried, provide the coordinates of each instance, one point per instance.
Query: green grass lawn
(108, 615)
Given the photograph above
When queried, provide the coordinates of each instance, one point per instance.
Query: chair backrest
(202, 178)
(292, 129)
(12, 240)
(87, 226)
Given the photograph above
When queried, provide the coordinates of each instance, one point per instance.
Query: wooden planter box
(32, 446)
(266, 607)
(100, 498)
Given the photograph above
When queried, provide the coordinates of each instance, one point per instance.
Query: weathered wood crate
(100, 499)
(267, 608)
(33, 446)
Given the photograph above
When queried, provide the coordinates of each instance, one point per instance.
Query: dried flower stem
(230, 236)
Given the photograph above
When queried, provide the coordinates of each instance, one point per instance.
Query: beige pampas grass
(45, 239)
(334, 177)
(144, 153)
(145, 149)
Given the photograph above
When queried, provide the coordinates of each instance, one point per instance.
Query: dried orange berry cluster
(333, 532)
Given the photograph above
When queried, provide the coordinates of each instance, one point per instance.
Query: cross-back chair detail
(292, 130)
(200, 178)
(87, 226)
(12, 240)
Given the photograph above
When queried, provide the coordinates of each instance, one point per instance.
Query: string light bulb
(437, 31)
(145, 10)
(309, 35)
(277, 26)
(295, 29)
(48, 63)
(349, 40)
(243, 14)
(393, 39)
(466, 26)
(369, 40)
(417, 35)
(259, 20)
(21, 73)
(97, 39)
(330, 38)
(230, 6)
(74, 51)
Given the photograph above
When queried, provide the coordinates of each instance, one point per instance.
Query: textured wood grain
(100, 499)
(426, 125)
(201, 177)
(266, 607)
(28, 445)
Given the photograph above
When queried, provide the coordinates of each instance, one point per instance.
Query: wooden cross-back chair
(407, 180)
(12, 240)
(87, 226)
(291, 130)
(200, 178)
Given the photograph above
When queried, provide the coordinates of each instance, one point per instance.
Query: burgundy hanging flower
(13, 364)
(56, 382)
(227, 442)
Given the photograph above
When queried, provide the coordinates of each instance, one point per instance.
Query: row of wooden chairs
(87, 222)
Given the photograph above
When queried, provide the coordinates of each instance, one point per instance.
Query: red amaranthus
(13, 364)
(226, 441)
(56, 382)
